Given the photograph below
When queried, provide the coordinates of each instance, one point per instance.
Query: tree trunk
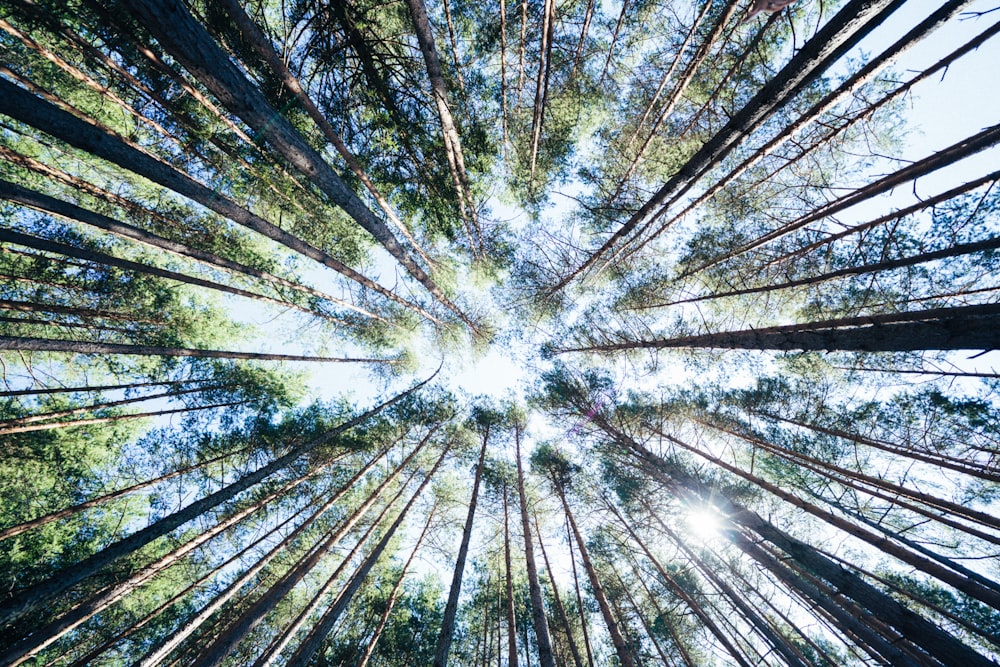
(511, 620)
(595, 583)
(956, 328)
(446, 634)
(574, 650)
(913, 627)
(273, 651)
(538, 618)
(62, 580)
(44, 203)
(88, 347)
(185, 39)
(579, 598)
(312, 642)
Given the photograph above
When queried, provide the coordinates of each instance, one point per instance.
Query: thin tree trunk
(957, 328)
(37, 243)
(595, 583)
(452, 140)
(94, 388)
(912, 626)
(189, 43)
(446, 633)
(44, 636)
(696, 607)
(538, 617)
(579, 598)
(30, 419)
(273, 652)
(30, 428)
(944, 158)
(588, 15)
(94, 653)
(867, 73)
(44, 203)
(840, 34)
(614, 40)
(511, 620)
(88, 347)
(541, 84)
(33, 596)
(312, 642)
(253, 34)
(577, 659)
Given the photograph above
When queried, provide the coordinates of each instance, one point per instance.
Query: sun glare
(703, 523)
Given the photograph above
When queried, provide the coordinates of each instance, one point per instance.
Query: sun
(703, 523)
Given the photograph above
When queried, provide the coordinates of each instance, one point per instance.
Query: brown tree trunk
(538, 618)
(957, 328)
(88, 347)
(574, 650)
(312, 642)
(34, 596)
(595, 583)
(161, 651)
(511, 620)
(446, 633)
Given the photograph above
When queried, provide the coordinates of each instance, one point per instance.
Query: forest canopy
(521, 332)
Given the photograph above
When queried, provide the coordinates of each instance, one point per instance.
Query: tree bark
(595, 583)
(957, 328)
(186, 40)
(89, 347)
(538, 617)
(446, 634)
(45, 591)
(96, 140)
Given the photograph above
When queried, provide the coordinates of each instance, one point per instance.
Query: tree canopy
(527, 332)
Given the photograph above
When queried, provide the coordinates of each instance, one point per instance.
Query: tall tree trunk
(273, 651)
(579, 598)
(41, 202)
(956, 328)
(186, 40)
(97, 140)
(574, 650)
(912, 626)
(97, 257)
(312, 642)
(624, 656)
(62, 580)
(46, 635)
(452, 140)
(511, 619)
(446, 634)
(253, 34)
(89, 347)
(538, 617)
(29, 428)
